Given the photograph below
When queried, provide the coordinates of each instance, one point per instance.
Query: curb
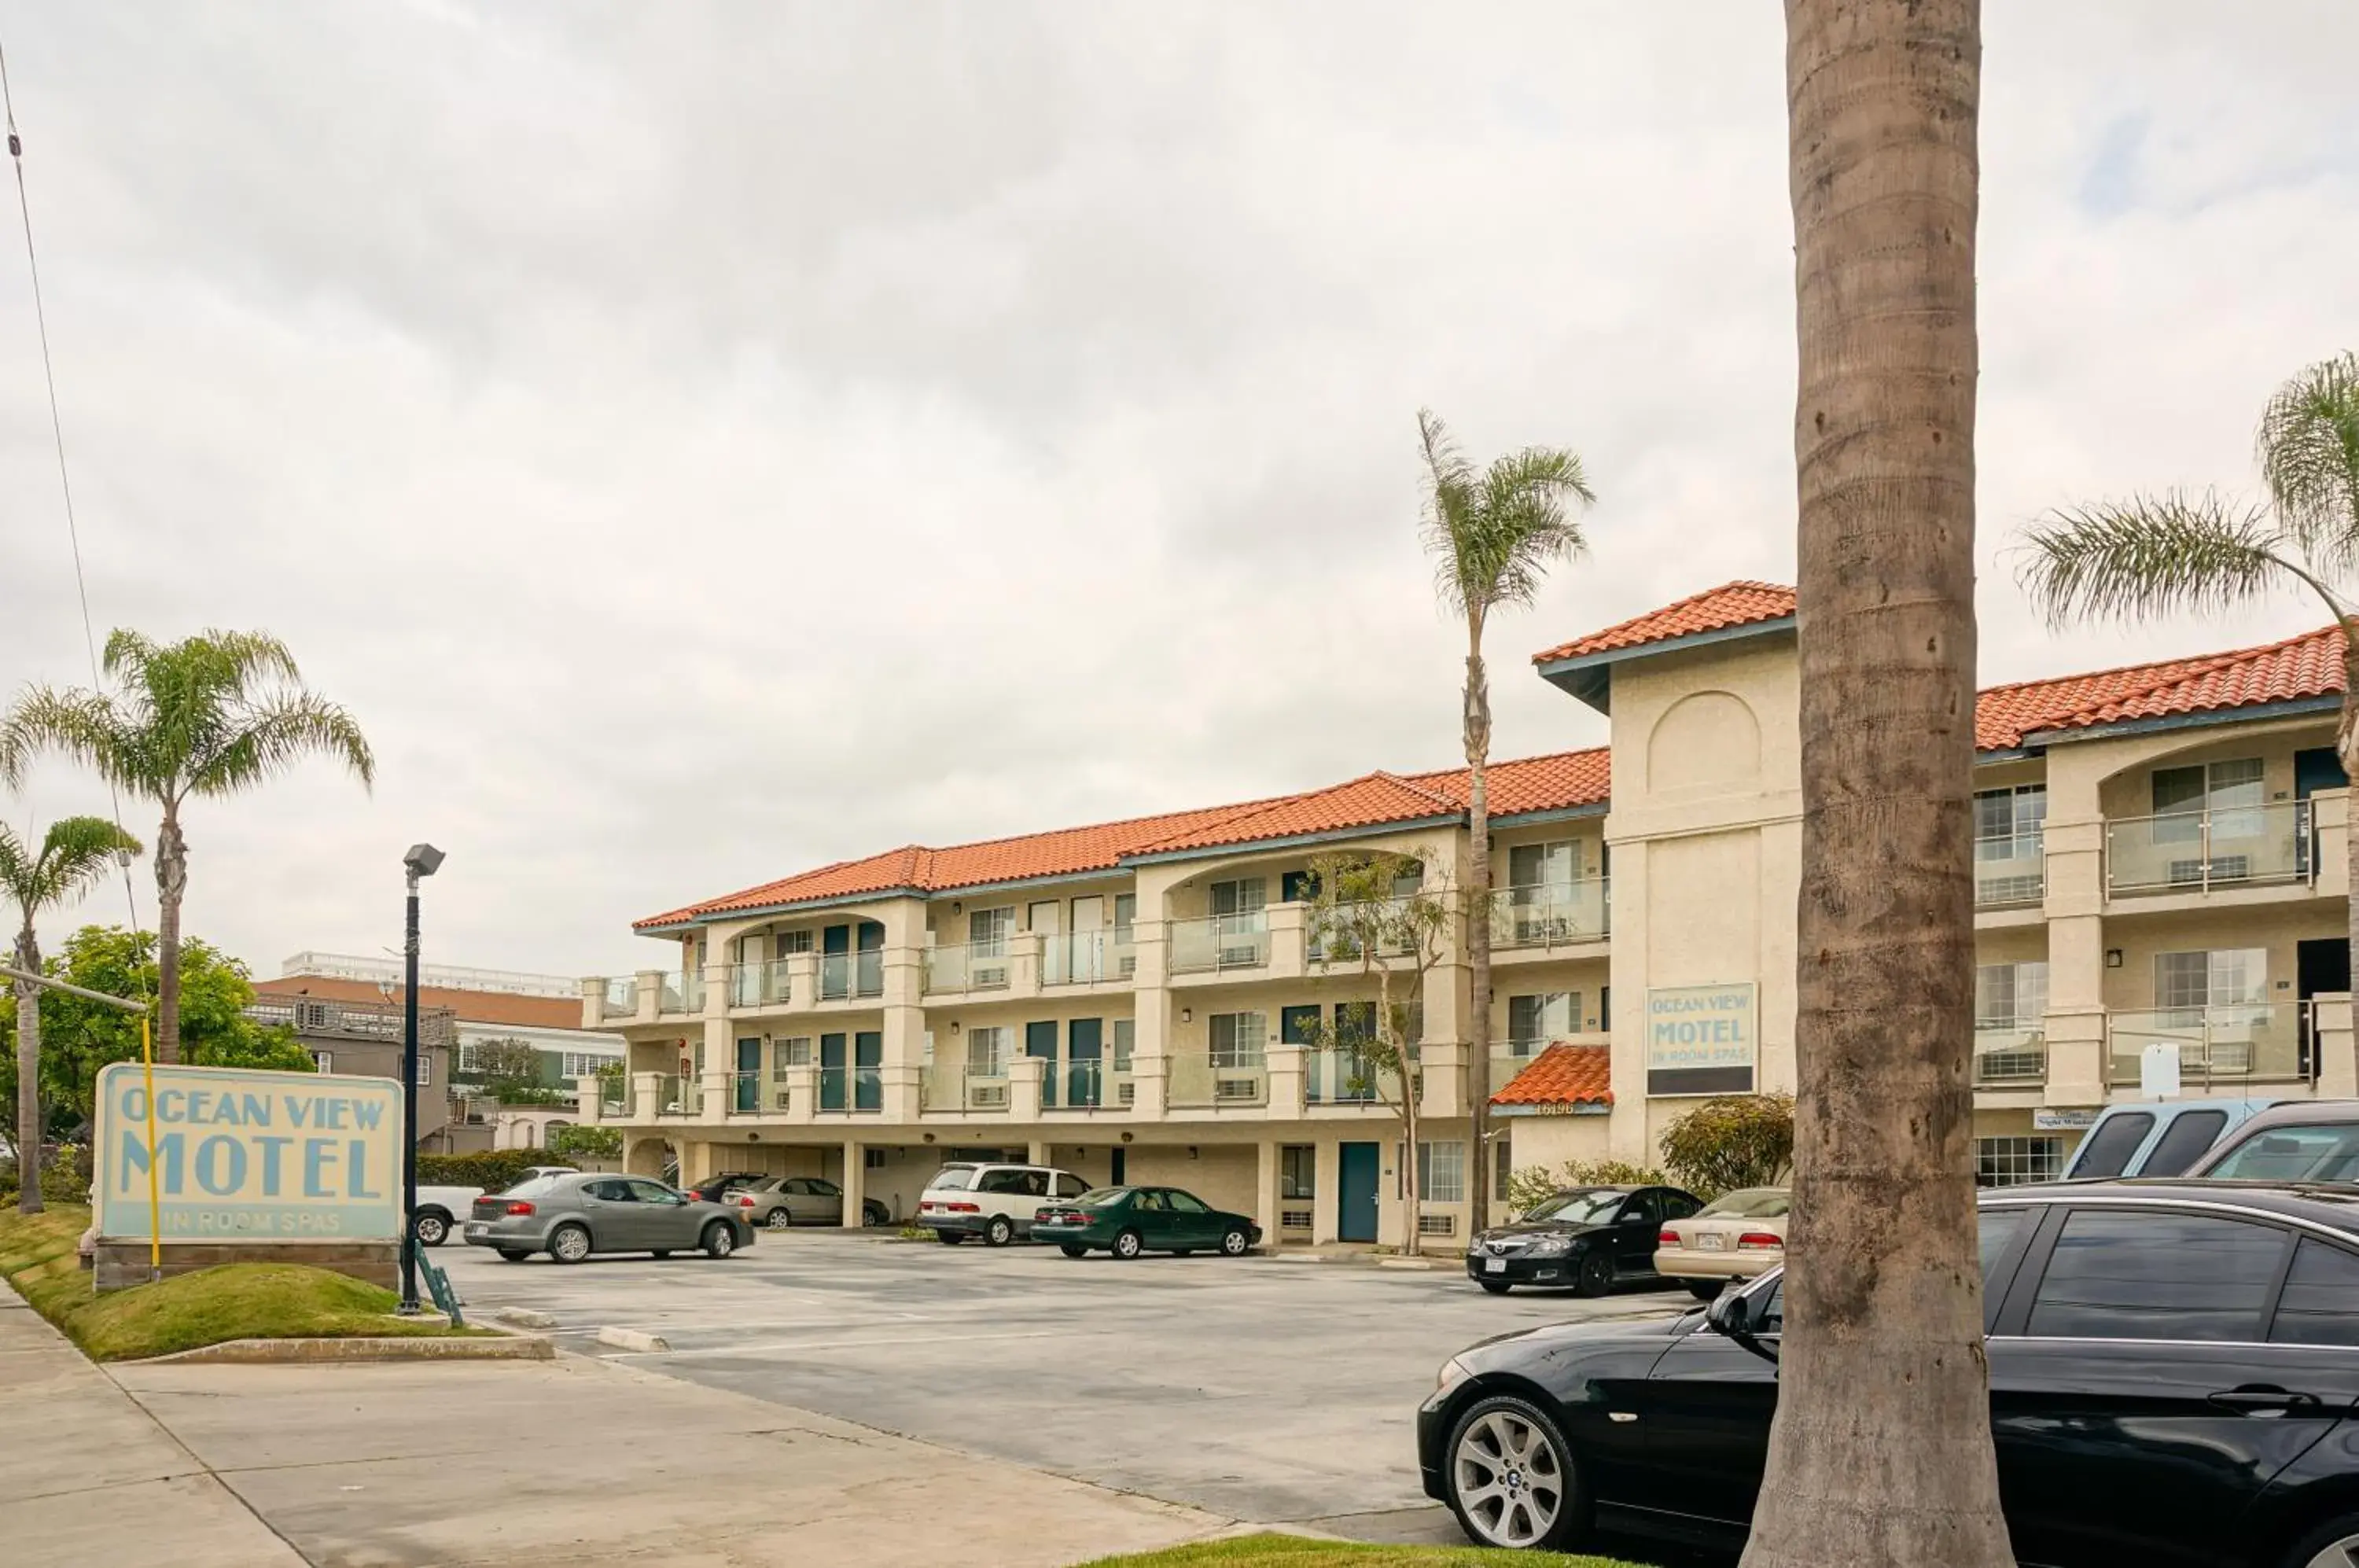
(324, 1351)
(525, 1317)
(632, 1339)
(1422, 1265)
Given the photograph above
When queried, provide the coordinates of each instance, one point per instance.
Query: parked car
(2157, 1138)
(2315, 1141)
(1591, 1238)
(717, 1189)
(1736, 1236)
(2173, 1366)
(1127, 1221)
(776, 1202)
(996, 1202)
(437, 1212)
(573, 1215)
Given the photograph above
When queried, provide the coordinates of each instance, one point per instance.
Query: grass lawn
(1293, 1551)
(236, 1300)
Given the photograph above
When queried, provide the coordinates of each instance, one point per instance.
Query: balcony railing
(760, 985)
(1195, 1080)
(2226, 1046)
(844, 975)
(968, 966)
(1336, 937)
(613, 1098)
(1091, 1085)
(955, 1086)
(851, 1089)
(2197, 852)
(1551, 914)
(315, 1019)
(1085, 958)
(1219, 942)
(620, 999)
(1333, 1077)
(681, 993)
(2010, 1055)
(745, 1094)
(2010, 868)
(680, 1094)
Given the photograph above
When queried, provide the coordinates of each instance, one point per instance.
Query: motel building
(2161, 880)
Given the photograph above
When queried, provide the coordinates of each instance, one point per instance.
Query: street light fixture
(423, 860)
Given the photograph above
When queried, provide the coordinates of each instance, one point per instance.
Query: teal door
(1040, 1041)
(1356, 1167)
(748, 1082)
(1084, 1042)
(831, 1074)
(868, 1071)
(1300, 1025)
(835, 964)
(868, 973)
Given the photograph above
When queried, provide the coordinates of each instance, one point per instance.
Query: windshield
(1587, 1206)
(533, 1187)
(1753, 1203)
(954, 1179)
(1101, 1197)
(2295, 1154)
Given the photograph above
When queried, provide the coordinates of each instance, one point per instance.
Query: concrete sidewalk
(547, 1463)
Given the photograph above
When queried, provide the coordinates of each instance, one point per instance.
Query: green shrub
(494, 1171)
(1731, 1142)
(1528, 1187)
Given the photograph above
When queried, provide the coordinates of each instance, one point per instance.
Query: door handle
(2265, 1400)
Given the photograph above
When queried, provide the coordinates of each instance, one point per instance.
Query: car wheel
(1235, 1243)
(433, 1228)
(1128, 1243)
(778, 1219)
(570, 1245)
(1000, 1231)
(718, 1240)
(513, 1255)
(660, 1253)
(1496, 1287)
(875, 1214)
(1705, 1290)
(950, 1237)
(2334, 1544)
(1074, 1249)
(1511, 1478)
(1596, 1276)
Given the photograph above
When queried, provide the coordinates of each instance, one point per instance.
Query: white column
(855, 1182)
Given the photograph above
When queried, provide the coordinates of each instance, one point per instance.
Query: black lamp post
(423, 860)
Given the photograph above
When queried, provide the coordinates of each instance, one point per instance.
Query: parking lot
(1264, 1389)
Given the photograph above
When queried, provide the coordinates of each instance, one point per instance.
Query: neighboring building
(2160, 874)
(482, 1006)
(363, 1039)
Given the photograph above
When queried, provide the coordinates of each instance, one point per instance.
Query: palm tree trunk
(171, 883)
(1478, 919)
(1880, 1453)
(28, 1072)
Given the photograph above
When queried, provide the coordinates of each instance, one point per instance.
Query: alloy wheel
(1234, 1243)
(1509, 1481)
(572, 1245)
(2343, 1553)
(777, 1219)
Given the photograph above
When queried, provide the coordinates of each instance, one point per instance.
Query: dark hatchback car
(2173, 1369)
(1591, 1238)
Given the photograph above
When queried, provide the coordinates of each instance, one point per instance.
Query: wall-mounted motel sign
(1701, 1039)
(243, 1155)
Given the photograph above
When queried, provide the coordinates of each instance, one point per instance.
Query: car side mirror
(1726, 1315)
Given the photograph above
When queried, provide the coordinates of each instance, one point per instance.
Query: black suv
(2174, 1368)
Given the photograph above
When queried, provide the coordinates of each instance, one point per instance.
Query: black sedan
(1591, 1238)
(2173, 1365)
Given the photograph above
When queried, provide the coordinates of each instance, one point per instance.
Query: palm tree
(72, 856)
(208, 717)
(1880, 1452)
(2151, 555)
(1492, 532)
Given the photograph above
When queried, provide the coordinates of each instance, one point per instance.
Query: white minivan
(993, 1202)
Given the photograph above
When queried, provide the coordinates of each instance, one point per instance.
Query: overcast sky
(703, 442)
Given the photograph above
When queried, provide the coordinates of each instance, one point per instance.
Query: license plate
(1494, 1266)
(1711, 1244)
(477, 1227)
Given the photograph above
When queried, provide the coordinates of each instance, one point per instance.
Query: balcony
(1553, 914)
(968, 966)
(2010, 1055)
(1089, 1085)
(1334, 939)
(746, 1093)
(620, 996)
(1219, 942)
(613, 1099)
(1333, 1077)
(680, 995)
(1196, 1081)
(2010, 869)
(856, 1089)
(954, 1086)
(760, 985)
(1086, 958)
(2226, 1047)
(2203, 852)
(679, 1095)
(845, 976)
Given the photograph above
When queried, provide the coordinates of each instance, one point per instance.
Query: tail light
(1761, 1240)
(744, 1202)
(1669, 1238)
(519, 1207)
(963, 1208)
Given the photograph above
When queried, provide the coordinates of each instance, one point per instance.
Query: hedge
(494, 1171)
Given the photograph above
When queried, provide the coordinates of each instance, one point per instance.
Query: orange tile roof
(1740, 604)
(2309, 665)
(1563, 1074)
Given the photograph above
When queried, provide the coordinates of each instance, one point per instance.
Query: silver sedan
(572, 1216)
(777, 1201)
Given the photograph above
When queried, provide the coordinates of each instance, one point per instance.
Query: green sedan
(1127, 1221)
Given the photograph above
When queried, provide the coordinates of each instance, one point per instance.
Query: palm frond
(75, 853)
(1493, 533)
(2149, 555)
(2308, 447)
(290, 727)
(80, 724)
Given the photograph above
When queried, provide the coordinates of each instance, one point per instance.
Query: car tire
(2331, 1545)
(660, 1253)
(1128, 1243)
(1705, 1289)
(1596, 1277)
(1183, 1252)
(999, 1232)
(950, 1237)
(433, 1228)
(569, 1243)
(873, 1213)
(1503, 1436)
(778, 1219)
(1235, 1243)
(718, 1240)
(513, 1255)
(1494, 1286)
(1073, 1249)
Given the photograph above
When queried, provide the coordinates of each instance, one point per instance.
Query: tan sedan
(1736, 1236)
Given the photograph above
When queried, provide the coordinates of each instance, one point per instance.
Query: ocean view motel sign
(241, 1154)
(1701, 1039)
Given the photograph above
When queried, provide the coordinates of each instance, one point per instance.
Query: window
(988, 930)
(2223, 978)
(792, 1051)
(2107, 1151)
(648, 1192)
(1244, 896)
(2008, 822)
(1185, 1202)
(2156, 1275)
(953, 1179)
(1070, 1186)
(2295, 1154)
(1999, 1228)
(1502, 1163)
(2188, 1136)
(425, 1068)
(2230, 790)
(785, 941)
(986, 1051)
(1126, 916)
(1643, 1206)
(1015, 1182)
(467, 1056)
(1126, 1038)
(323, 1061)
(1442, 1173)
(1555, 864)
(1678, 1205)
(1410, 881)
(585, 1063)
(2321, 1303)
(1534, 1021)
(2011, 1161)
(614, 1191)
(1148, 1198)
(2010, 995)
(1750, 1204)
(1297, 1171)
(1238, 1039)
